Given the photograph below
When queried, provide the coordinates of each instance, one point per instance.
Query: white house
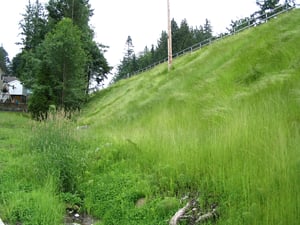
(17, 92)
(16, 88)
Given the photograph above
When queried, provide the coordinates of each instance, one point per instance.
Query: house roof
(8, 79)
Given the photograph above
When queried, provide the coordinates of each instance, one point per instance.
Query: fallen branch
(207, 216)
(191, 211)
(180, 213)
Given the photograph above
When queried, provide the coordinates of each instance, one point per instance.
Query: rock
(140, 202)
(82, 127)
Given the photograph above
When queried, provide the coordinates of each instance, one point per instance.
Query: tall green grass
(223, 123)
(58, 153)
(40, 170)
(39, 206)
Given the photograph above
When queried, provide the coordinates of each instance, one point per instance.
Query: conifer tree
(33, 26)
(185, 36)
(161, 51)
(267, 4)
(4, 61)
(128, 64)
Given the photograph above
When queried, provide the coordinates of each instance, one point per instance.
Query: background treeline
(183, 36)
(59, 58)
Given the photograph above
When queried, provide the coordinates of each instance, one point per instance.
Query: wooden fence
(13, 107)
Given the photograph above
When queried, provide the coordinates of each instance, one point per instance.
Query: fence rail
(254, 20)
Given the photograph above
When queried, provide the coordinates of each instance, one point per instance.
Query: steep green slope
(225, 122)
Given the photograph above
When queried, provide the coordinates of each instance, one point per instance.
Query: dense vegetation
(59, 58)
(223, 124)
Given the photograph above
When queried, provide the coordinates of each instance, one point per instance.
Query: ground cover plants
(34, 170)
(222, 126)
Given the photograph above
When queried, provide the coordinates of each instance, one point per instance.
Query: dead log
(189, 212)
(180, 213)
(207, 216)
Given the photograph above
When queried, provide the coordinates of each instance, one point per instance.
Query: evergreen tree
(129, 48)
(4, 60)
(182, 38)
(33, 25)
(185, 37)
(207, 29)
(198, 34)
(175, 36)
(33, 31)
(128, 64)
(267, 4)
(152, 51)
(146, 58)
(161, 52)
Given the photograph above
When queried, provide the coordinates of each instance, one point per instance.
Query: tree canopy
(59, 57)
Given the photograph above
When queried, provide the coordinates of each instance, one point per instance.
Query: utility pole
(169, 39)
(73, 10)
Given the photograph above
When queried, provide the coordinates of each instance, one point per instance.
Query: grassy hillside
(223, 125)
(225, 122)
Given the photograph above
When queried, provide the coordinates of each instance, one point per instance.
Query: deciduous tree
(65, 57)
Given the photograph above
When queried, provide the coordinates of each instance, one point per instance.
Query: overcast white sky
(143, 20)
